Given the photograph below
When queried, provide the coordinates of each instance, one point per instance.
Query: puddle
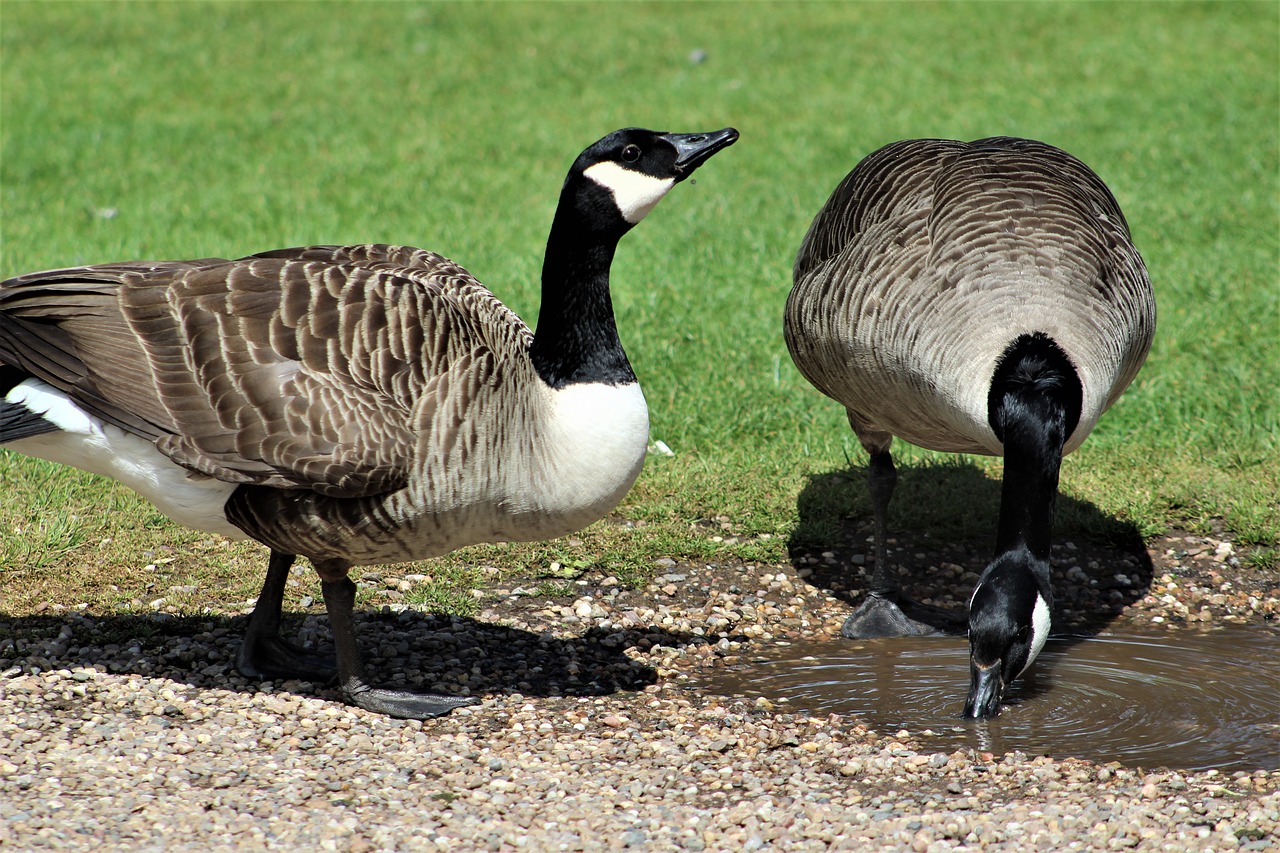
(1181, 699)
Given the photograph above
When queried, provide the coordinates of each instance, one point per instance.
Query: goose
(356, 405)
(972, 297)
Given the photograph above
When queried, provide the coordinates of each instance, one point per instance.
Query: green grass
(449, 593)
(189, 130)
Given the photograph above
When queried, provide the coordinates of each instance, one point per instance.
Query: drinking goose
(356, 404)
(980, 297)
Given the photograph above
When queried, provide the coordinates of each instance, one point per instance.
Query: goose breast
(933, 255)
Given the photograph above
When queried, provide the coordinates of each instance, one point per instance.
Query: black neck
(1032, 456)
(1034, 404)
(577, 338)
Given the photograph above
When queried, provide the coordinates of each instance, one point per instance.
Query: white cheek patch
(635, 193)
(1040, 623)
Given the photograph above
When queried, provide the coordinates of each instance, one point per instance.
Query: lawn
(184, 130)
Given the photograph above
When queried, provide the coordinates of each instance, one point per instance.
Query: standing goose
(353, 404)
(980, 297)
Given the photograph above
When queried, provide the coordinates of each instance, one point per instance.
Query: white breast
(593, 448)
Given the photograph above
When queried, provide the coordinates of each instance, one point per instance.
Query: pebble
(584, 739)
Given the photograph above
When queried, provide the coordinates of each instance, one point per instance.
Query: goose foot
(403, 704)
(263, 654)
(339, 597)
(273, 658)
(895, 615)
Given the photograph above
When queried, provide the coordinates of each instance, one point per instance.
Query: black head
(619, 179)
(1009, 621)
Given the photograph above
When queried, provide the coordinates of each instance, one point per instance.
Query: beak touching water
(986, 684)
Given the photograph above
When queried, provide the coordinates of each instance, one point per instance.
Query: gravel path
(128, 732)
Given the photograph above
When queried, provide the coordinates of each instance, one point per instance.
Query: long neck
(1033, 438)
(1033, 406)
(576, 338)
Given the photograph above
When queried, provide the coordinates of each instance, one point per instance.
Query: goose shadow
(425, 651)
(941, 530)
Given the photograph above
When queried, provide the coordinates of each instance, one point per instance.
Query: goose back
(314, 380)
(932, 256)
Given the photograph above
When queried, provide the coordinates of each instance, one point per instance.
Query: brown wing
(886, 190)
(312, 367)
(65, 327)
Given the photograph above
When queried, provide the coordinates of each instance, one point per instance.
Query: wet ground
(1185, 698)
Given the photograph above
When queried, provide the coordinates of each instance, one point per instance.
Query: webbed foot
(272, 658)
(403, 704)
(895, 615)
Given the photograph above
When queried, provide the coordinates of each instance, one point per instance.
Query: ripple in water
(1180, 699)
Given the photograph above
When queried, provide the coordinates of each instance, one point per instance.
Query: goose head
(609, 189)
(1009, 620)
(618, 180)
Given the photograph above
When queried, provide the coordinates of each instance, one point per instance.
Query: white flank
(635, 193)
(89, 444)
(1040, 623)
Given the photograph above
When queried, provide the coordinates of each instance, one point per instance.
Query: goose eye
(631, 153)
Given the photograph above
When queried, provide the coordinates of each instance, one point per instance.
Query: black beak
(694, 149)
(985, 687)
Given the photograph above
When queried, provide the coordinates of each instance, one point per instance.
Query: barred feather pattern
(932, 256)
(376, 403)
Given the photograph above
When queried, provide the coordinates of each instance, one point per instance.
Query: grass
(449, 593)
(189, 130)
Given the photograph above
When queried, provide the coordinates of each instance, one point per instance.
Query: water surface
(1183, 698)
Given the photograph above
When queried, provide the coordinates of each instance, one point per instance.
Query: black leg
(340, 598)
(263, 654)
(881, 479)
(886, 612)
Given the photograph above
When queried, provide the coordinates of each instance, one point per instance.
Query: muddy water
(1181, 699)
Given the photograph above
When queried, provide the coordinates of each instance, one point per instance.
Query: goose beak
(694, 149)
(985, 687)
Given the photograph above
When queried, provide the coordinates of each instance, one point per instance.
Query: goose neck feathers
(1034, 404)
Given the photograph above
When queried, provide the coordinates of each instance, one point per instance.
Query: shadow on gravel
(449, 654)
(943, 517)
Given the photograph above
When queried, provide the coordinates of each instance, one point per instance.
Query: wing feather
(317, 367)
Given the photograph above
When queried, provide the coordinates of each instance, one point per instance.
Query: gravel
(134, 732)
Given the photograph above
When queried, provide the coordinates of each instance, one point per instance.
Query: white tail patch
(52, 405)
(635, 193)
(85, 442)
